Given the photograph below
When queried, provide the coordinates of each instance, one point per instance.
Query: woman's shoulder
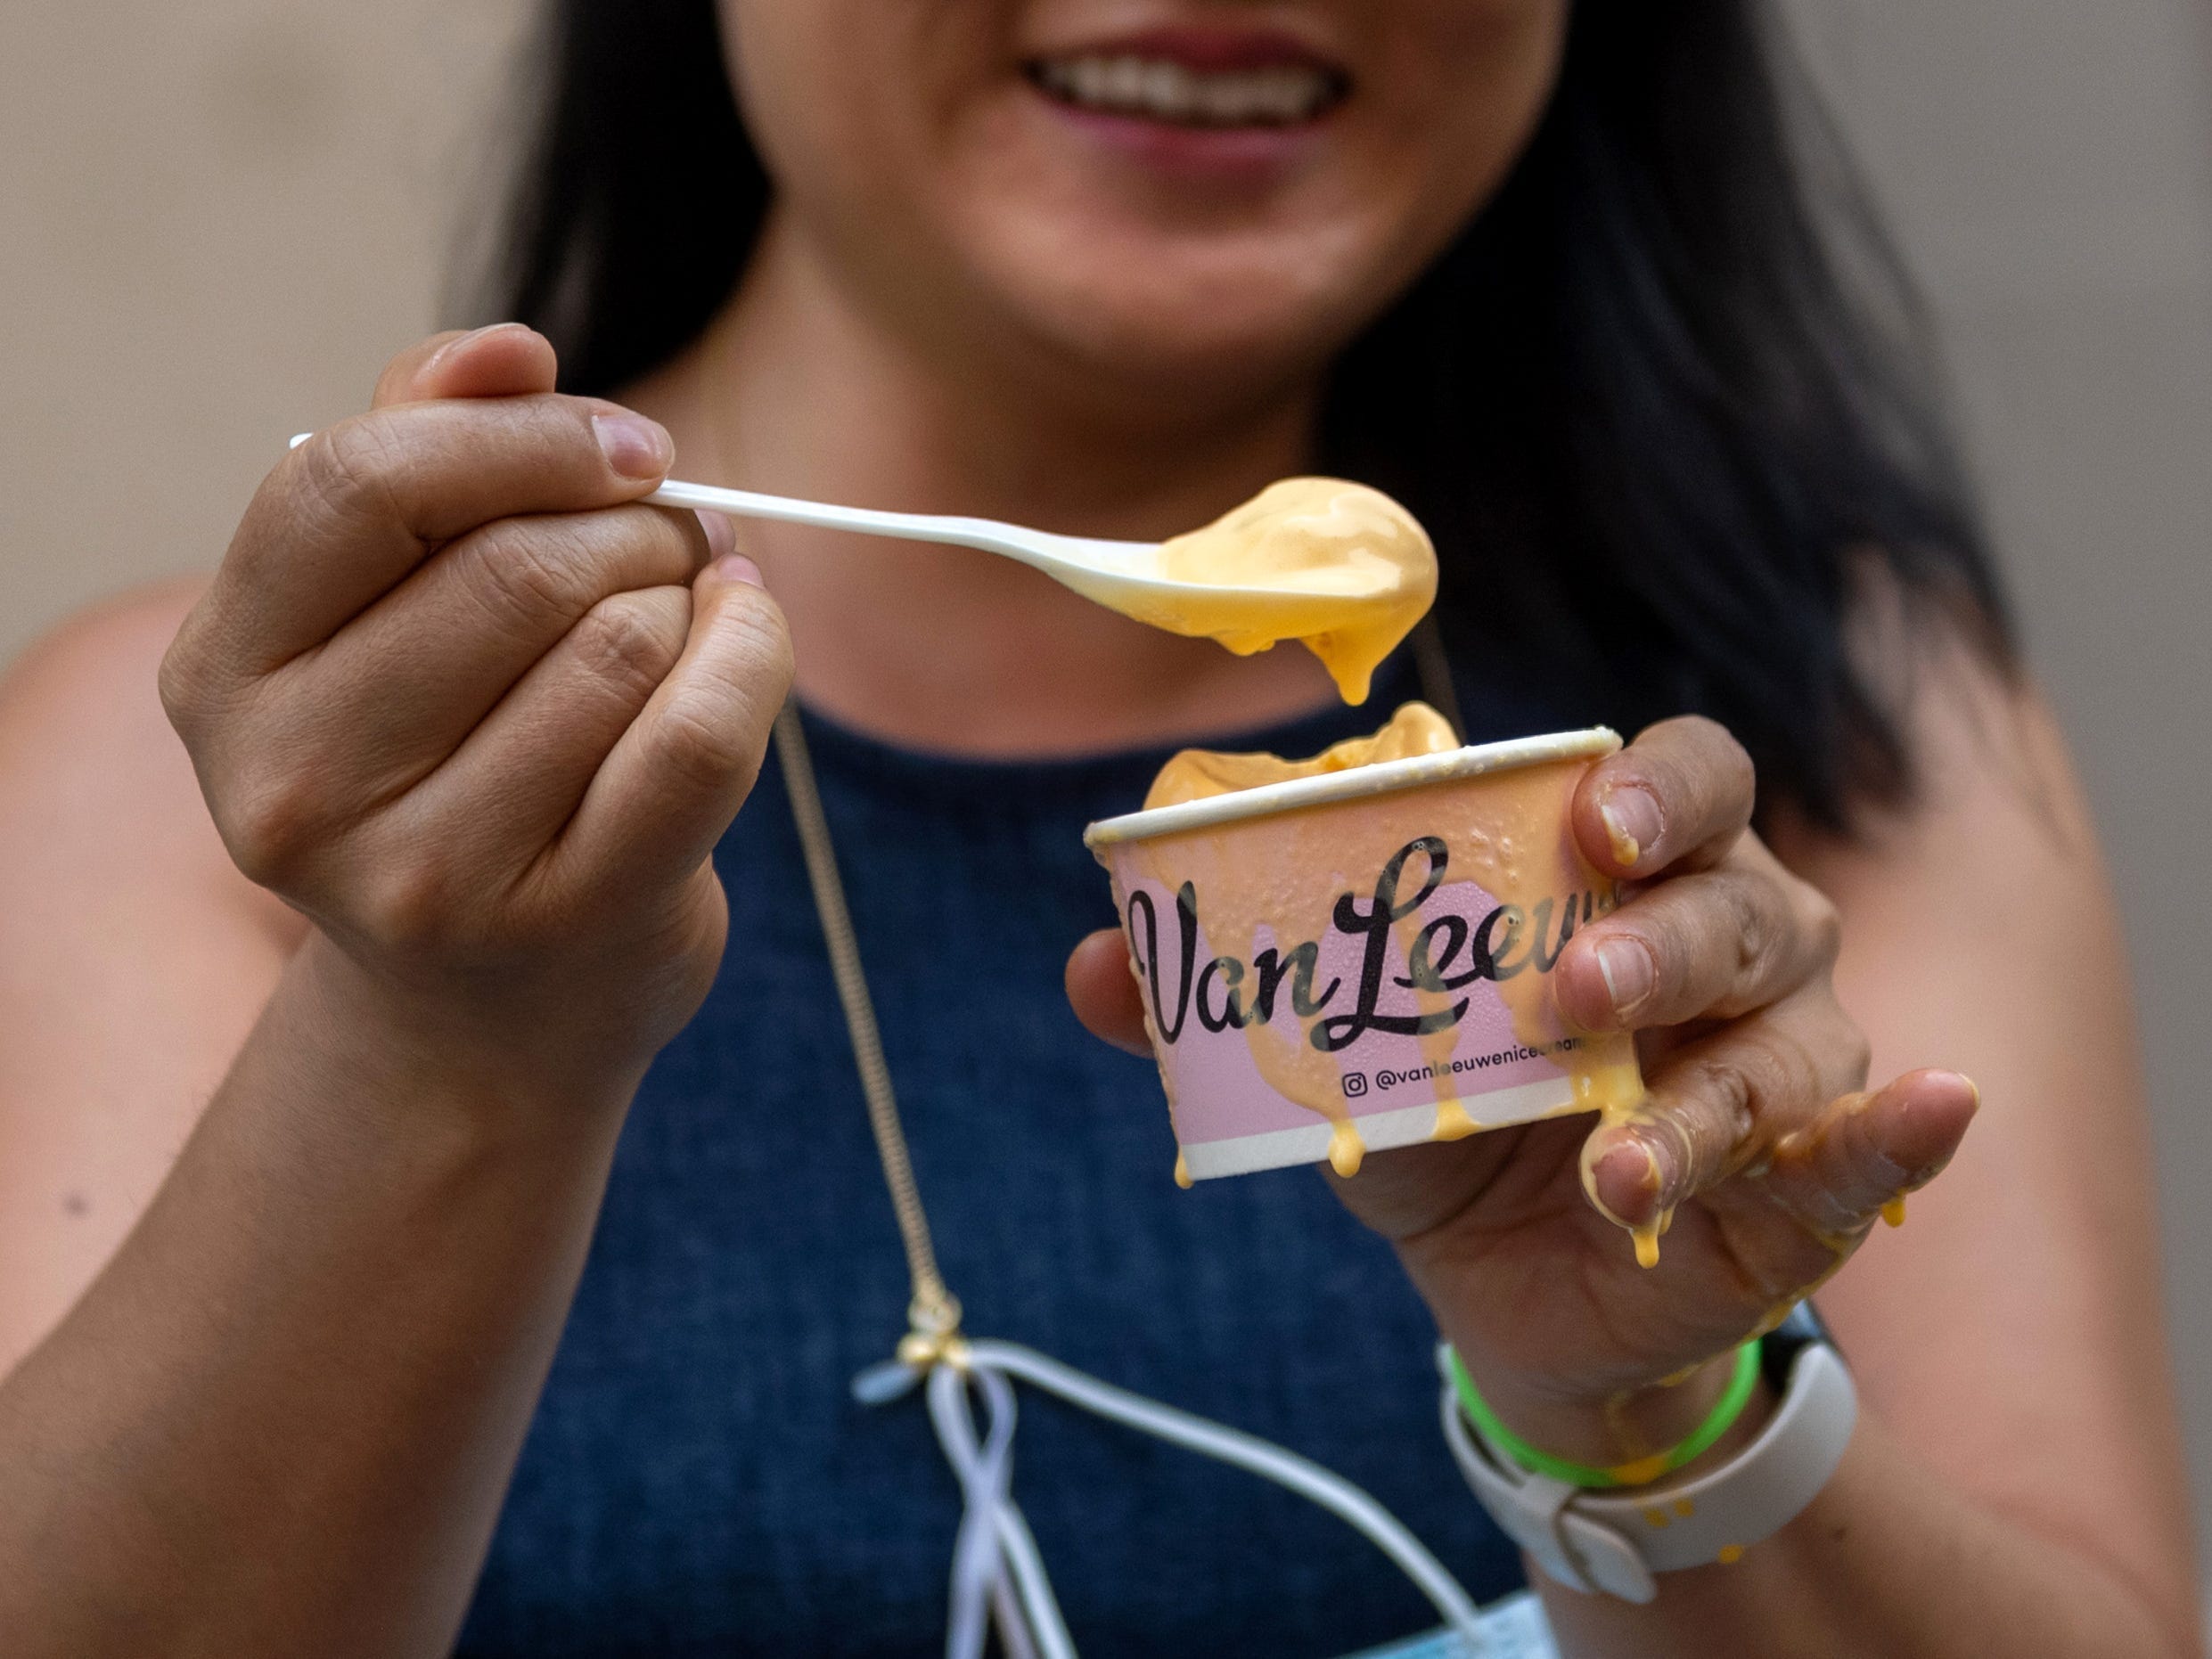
(94, 785)
(91, 667)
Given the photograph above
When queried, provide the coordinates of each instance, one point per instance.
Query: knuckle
(1698, 759)
(763, 642)
(1751, 924)
(1748, 1085)
(408, 907)
(1771, 1075)
(181, 684)
(1794, 1072)
(1726, 1097)
(704, 739)
(1822, 925)
(271, 826)
(559, 426)
(712, 727)
(348, 469)
(524, 576)
(1718, 746)
(1763, 930)
(621, 640)
(1854, 1052)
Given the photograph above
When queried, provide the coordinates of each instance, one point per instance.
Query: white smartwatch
(1614, 1539)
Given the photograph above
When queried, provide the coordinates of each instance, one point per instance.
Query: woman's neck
(793, 391)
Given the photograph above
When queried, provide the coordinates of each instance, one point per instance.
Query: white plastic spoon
(1121, 576)
(1355, 574)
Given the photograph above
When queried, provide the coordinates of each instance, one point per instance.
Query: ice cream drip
(1341, 569)
(1347, 572)
(1502, 839)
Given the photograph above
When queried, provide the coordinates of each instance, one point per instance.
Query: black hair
(1665, 405)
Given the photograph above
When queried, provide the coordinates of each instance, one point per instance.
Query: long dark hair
(1663, 404)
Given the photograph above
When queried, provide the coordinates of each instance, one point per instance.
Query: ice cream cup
(1362, 959)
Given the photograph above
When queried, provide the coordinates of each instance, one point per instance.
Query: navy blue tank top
(699, 1480)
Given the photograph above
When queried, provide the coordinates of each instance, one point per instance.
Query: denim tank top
(699, 1479)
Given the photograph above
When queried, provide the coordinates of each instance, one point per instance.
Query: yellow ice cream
(1340, 568)
(1505, 850)
(1347, 572)
(1195, 773)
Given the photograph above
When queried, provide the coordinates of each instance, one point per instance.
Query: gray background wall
(2047, 166)
(215, 221)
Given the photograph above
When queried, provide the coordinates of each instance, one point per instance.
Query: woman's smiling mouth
(1191, 78)
(1162, 89)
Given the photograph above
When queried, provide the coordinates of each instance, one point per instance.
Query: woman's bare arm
(483, 720)
(2013, 1333)
(2016, 1484)
(281, 1420)
(134, 957)
(157, 1489)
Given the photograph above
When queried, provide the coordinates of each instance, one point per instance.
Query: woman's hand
(1755, 1148)
(481, 717)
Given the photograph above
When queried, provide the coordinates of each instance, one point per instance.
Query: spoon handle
(748, 502)
(1040, 548)
(912, 526)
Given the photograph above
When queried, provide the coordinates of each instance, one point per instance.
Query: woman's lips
(1201, 48)
(1196, 100)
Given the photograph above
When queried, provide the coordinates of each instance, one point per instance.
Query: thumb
(1866, 1151)
(1103, 993)
(504, 360)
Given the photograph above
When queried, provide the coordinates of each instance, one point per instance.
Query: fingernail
(462, 340)
(737, 568)
(635, 446)
(1626, 967)
(1631, 1167)
(721, 533)
(1632, 823)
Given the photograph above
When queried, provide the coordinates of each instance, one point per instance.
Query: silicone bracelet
(1643, 1471)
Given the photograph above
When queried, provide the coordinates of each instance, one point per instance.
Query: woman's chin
(1198, 263)
(1190, 324)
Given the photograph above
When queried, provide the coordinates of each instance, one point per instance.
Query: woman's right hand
(481, 717)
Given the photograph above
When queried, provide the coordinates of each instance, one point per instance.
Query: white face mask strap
(997, 1569)
(993, 1523)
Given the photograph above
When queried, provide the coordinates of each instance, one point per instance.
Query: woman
(318, 1065)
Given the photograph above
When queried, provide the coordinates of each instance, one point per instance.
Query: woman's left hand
(1755, 1150)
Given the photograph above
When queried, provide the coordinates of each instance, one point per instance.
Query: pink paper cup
(1361, 960)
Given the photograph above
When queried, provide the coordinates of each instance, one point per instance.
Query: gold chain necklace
(933, 1312)
(998, 1578)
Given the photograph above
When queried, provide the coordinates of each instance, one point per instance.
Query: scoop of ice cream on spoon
(1346, 571)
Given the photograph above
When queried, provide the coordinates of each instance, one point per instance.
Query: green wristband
(1717, 1422)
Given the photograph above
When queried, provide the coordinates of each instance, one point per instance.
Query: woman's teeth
(1277, 96)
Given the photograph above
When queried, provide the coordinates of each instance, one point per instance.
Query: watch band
(1615, 1540)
